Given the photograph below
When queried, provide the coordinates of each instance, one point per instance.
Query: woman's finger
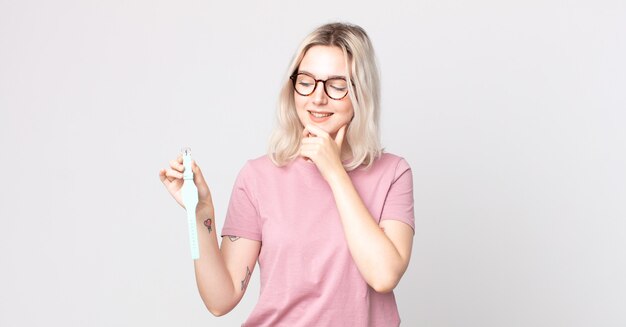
(309, 151)
(198, 178)
(195, 168)
(306, 154)
(177, 166)
(311, 129)
(340, 135)
(173, 174)
(163, 177)
(312, 140)
(312, 147)
(306, 133)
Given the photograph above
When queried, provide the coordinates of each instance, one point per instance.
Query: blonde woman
(326, 214)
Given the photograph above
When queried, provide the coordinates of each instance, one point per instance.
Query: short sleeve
(242, 217)
(399, 201)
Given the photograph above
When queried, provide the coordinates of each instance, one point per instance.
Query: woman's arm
(381, 253)
(222, 275)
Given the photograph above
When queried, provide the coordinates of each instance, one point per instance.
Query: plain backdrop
(511, 114)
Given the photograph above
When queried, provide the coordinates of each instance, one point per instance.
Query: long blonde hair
(364, 91)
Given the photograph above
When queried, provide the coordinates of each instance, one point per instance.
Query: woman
(326, 214)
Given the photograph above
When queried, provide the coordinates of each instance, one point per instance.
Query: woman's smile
(319, 116)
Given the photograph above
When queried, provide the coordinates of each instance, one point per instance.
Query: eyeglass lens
(336, 88)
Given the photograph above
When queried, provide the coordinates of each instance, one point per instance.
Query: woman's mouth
(319, 117)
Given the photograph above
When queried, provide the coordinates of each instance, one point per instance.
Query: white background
(511, 114)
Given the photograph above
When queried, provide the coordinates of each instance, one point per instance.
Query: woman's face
(323, 62)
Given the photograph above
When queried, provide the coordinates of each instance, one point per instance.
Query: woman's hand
(319, 147)
(172, 178)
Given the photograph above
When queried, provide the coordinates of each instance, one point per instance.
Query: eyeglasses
(336, 88)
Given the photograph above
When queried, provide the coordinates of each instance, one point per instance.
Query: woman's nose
(319, 96)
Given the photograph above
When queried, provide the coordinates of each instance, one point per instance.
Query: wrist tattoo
(233, 238)
(207, 223)
(246, 279)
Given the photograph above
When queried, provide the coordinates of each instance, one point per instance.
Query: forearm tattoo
(246, 279)
(233, 238)
(207, 223)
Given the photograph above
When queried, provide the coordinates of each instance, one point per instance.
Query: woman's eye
(338, 88)
(305, 84)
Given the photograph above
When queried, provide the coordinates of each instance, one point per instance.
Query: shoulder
(387, 168)
(259, 166)
(390, 158)
(390, 161)
(262, 162)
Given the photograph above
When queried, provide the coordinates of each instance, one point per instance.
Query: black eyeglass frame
(294, 77)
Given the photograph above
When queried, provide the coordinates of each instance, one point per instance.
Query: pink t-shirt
(308, 277)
